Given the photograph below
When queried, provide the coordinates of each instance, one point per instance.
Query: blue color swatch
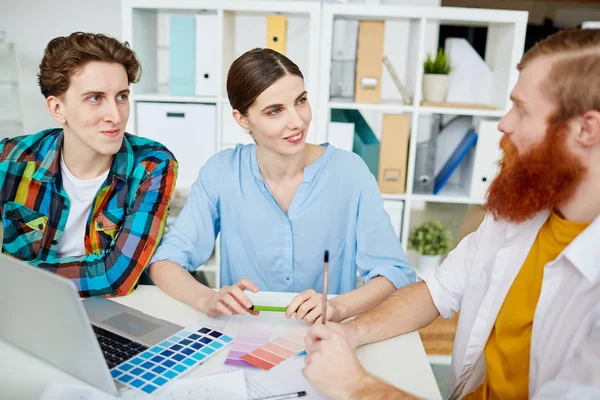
(159, 365)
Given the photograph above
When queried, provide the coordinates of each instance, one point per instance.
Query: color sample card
(250, 336)
(277, 350)
(160, 364)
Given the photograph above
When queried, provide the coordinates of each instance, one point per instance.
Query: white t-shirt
(81, 193)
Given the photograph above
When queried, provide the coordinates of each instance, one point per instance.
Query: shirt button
(115, 293)
(287, 278)
(54, 242)
(100, 225)
(65, 207)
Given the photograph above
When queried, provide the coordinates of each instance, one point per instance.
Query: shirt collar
(583, 252)
(310, 171)
(50, 165)
(532, 225)
(121, 168)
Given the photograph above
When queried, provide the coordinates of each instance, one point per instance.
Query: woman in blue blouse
(279, 204)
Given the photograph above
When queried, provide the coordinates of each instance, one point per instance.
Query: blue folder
(455, 159)
(182, 55)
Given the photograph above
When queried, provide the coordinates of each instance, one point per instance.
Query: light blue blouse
(337, 207)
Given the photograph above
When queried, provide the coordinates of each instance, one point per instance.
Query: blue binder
(182, 59)
(455, 159)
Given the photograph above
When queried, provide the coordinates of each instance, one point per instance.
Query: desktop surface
(400, 361)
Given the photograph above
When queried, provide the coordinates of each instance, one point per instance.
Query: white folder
(395, 209)
(207, 54)
(341, 135)
(345, 39)
(471, 79)
(487, 155)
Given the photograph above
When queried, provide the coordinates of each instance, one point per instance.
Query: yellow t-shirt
(507, 348)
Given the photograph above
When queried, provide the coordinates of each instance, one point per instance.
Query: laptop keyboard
(116, 348)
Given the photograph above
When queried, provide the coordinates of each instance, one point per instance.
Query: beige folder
(276, 33)
(369, 62)
(393, 154)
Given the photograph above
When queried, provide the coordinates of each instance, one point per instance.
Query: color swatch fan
(250, 336)
(278, 350)
(159, 365)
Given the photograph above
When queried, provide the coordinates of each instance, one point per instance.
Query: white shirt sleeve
(446, 282)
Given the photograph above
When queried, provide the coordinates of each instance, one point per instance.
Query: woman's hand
(230, 300)
(308, 306)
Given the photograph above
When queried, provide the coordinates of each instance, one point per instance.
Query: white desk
(400, 361)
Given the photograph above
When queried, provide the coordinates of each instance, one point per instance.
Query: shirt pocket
(24, 230)
(107, 224)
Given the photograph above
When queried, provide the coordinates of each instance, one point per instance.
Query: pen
(325, 272)
(285, 396)
(268, 308)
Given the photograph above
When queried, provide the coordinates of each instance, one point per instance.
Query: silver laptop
(41, 313)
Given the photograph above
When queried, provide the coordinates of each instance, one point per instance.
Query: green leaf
(440, 65)
(430, 238)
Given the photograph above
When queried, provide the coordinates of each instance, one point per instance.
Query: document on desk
(231, 385)
(285, 378)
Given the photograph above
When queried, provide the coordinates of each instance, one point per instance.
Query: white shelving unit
(241, 26)
(504, 48)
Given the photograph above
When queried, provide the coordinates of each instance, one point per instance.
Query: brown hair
(575, 72)
(253, 72)
(64, 56)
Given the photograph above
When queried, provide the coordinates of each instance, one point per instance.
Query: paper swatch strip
(277, 350)
(250, 336)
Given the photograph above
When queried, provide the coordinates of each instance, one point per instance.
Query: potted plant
(435, 78)
(431, 241)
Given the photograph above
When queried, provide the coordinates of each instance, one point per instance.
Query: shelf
(431, 198)
(174, 99)
(391, 196)
(450, 193)
(446, 15)
(461, 111)
(384, 107)
(402, 108)
(207, 268)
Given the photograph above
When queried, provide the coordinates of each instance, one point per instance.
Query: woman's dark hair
(253, 72)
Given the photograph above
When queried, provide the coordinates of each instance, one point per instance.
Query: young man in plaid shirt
(88, 202)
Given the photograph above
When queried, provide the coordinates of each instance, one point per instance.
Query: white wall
(31, 24)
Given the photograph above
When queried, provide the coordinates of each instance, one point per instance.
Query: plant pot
(435, 87)
(426, 263)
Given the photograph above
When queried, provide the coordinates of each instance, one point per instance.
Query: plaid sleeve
(116, 271)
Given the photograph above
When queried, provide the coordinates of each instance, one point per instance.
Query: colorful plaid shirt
(125, 225)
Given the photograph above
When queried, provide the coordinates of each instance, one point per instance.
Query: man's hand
(331, 366)
(308, 306)
(230, 300)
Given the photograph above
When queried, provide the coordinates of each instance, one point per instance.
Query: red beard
(543, 178)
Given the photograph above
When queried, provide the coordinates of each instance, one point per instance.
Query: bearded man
(527, 282)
